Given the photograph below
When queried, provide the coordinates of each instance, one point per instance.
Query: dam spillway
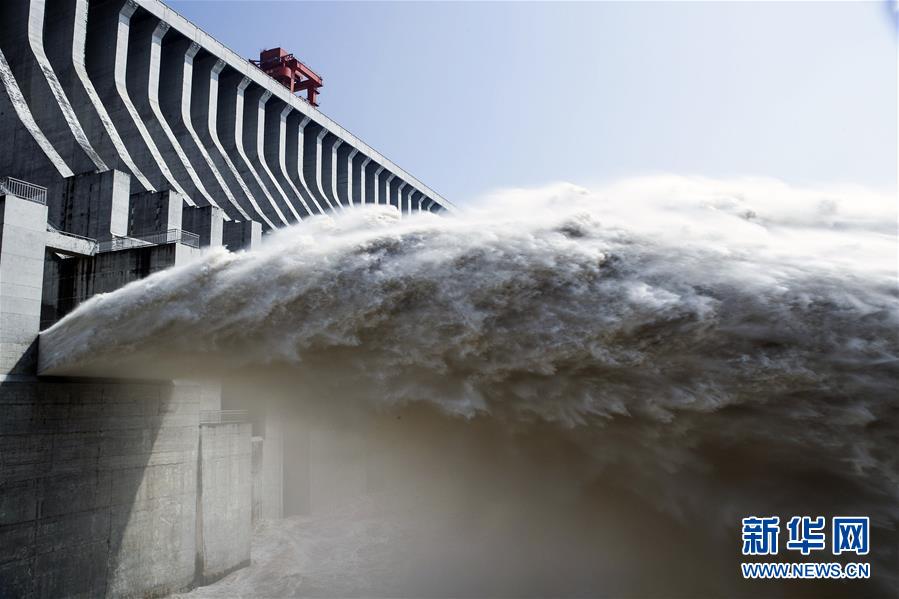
(93, 86)
(132, 142)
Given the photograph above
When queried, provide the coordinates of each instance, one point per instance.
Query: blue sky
(474, 96)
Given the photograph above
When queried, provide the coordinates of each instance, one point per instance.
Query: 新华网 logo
(806, 535)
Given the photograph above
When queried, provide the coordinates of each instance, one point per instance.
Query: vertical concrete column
(394, 193)
(400, 196)
(23, 231)
(207, 73)
(389, 191)
(306, 161)
(360, 182)
(279, 145)
(21, 42)
(292, 129)
(175, 100)
(342, 155)
(229, 128)
(142, 82)
(188, 176)
(338, 164)
(154, 212)
(309, 158)
(381, 184)
(109, 32)
(205, 221)
(37, 23)
(249, 99)
(330, 145)
(415, 201)
(242, 235)
(267, 150)
(319, 173)
(224, 499)
(22, 131)
(371, 182)
(67, 26)
(246, 115)
(94, 205)
(353, 189)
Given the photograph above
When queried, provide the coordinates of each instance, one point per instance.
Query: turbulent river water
(585, 390)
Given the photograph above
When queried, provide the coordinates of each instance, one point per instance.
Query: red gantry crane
(290, 72)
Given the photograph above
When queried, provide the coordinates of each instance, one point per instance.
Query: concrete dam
(132, 142)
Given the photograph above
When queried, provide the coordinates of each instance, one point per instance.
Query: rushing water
(593, 386)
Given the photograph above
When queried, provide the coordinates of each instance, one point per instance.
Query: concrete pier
(144, 50)
(22, 231)
(204, 102)
(312, 136)
(293, 160)
(89, 107)
(327, 151)
(174, 102)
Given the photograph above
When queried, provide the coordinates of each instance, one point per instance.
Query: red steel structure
(290, 72)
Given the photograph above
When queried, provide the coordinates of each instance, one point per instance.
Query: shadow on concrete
(97, 487)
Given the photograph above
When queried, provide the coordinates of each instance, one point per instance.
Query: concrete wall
(94, 205)
(152, 212)
(97, 488)
(70, 280)
(205, 221)
(244, 235)
(224, 504)
(21, 41)
(22, 231)
(200, 105)
(116, 489)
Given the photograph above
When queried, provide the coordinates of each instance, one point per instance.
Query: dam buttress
(132, 141)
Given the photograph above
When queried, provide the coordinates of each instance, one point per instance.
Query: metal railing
(223, 416)
(24, 190)
(161, 238)
(191, 239)
(54, 229)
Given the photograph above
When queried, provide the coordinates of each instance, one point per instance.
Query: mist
(555, 391)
